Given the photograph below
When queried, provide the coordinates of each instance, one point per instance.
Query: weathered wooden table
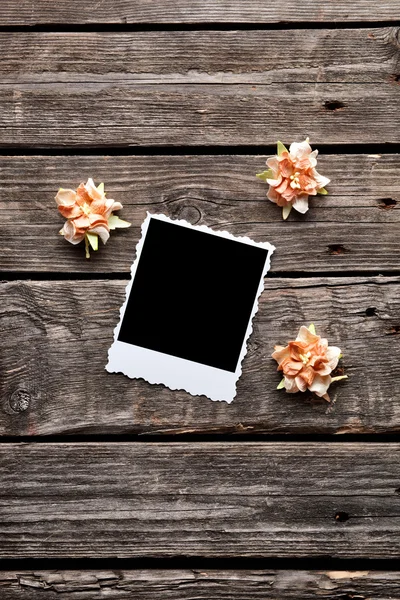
(112, 488)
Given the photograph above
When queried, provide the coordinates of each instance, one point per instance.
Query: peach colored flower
(292, 177)
(89, 214)
(307, 363)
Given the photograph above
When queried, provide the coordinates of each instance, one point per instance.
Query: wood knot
(337, 249)
(342, 517)
(387, 203)
(191, 214)
(395, 330)
(20, 401)
(394, 37)
(370, 312)
(387, 35)
(334, 105)
(394, 78)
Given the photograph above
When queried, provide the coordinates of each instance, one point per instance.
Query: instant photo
(189, 307)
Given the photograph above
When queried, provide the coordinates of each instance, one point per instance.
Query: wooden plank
(355, 228)
(242, 57)
(26, 12)
(199, 583)
(55, 337)
(128, 500)
(122, 114)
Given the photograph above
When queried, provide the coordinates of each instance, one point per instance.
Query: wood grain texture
(310, 56)
(26, 12)
(202, 584)
(355, 228)
(123, 114)
(201, 499)
(55, 337)
(153, 88)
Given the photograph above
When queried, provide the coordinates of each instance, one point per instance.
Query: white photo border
(174, 372)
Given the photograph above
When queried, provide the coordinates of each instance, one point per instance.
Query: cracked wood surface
(56, 335)
(355, 228)
(29, 12)
(128, 500)
(201, 584)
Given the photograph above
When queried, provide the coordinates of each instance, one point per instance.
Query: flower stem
(87, 247)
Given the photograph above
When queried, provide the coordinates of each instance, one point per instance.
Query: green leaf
(281, 385)
(269, 174)
(100, 188)
(93, 240)
(311, 328)
(340, 356)
(339, 378)
(115, 222)
(281, 148)
(286, 211)
(322, 191)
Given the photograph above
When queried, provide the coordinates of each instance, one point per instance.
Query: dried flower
(89, 215)
(307, 363)
(292, 177)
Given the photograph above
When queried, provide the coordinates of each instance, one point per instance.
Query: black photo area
(192, 295)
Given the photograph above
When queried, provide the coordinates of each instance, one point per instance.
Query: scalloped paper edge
(201, 380)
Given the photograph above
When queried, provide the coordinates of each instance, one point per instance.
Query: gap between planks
(176, 151)
(198, 26)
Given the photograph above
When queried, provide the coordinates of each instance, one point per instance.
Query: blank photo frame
(189, 307)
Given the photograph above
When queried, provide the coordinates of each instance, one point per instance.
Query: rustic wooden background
(115, 489)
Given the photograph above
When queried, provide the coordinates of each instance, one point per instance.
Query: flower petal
(299, 150)
(301, 384)
(290, 367)
(82, 197)
(111, 207)
(70, 233)
(92, 190)
(273, 195)
(320, 384)
(273, 163)
(70, 212)
(286, 167)
(290, 385)
(97, 219)
(101, 231)
(275, 182)
(301, 203)
(65, 197)
(313, 158)
(306, 336)
(280, 353)
(282, 186)
(320, 179)
(332, 355)
(81, 223)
